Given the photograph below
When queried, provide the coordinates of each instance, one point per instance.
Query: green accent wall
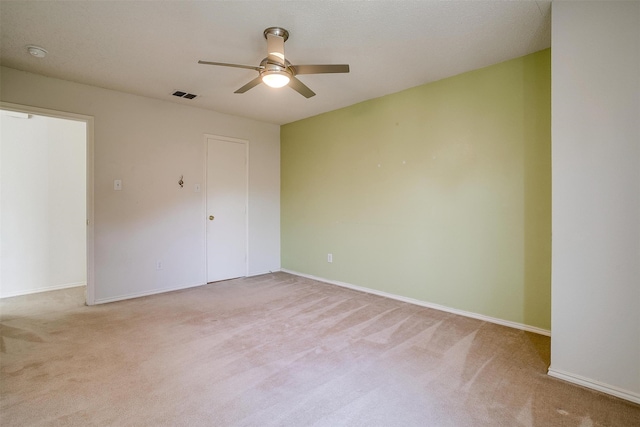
(440, 193)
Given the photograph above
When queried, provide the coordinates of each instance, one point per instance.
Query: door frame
(88, 120)
(206, 138)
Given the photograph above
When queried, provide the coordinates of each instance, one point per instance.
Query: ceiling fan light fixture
(275, 79)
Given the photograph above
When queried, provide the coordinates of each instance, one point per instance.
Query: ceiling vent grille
(181, 94)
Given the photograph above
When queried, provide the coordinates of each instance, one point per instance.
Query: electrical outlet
(329, 257)
(158, 265)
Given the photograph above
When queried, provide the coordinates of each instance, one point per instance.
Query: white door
(226, 209)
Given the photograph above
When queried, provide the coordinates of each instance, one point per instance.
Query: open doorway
(44, 201)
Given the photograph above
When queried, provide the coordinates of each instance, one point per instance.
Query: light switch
(117, 184)
(196, 188)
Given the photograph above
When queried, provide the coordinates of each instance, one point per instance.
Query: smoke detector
(37, 51)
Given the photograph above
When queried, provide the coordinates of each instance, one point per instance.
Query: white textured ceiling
(151, 48)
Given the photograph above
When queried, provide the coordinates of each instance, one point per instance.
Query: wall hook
(181, 182)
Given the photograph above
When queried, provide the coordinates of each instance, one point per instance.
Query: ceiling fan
(276, 71)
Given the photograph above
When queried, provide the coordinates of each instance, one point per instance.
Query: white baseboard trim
(595, 385)
(489, 319)
(146, 293)
(44, 289)
(264, 272)
(160, 291)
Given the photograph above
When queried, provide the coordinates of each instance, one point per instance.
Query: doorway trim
(206, 137)
(88, 120)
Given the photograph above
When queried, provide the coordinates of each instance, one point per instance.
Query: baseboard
(489, 319)
(160, 291)
(44, 289)
(253, 274)
(146, 293)
(594, 385)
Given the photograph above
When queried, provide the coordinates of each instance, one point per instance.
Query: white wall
(42, 204)
(149, 144)
(596, 195)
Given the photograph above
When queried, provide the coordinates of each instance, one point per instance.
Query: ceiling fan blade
(253, 83)
(301, 88)
(223, 64)
(320, 69)
(275, 48)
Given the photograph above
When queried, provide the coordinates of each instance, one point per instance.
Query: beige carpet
(277, 350)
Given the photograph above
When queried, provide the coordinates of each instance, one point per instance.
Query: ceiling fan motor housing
(271, 67)
(274, 74)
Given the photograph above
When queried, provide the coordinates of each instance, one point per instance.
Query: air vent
(181, 94)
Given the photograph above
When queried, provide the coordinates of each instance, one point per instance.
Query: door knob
(211, 217)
